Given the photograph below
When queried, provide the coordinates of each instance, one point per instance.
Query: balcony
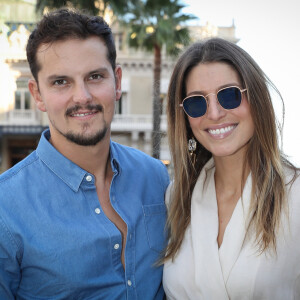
(23, 117)
(121, 123)
(129, 123)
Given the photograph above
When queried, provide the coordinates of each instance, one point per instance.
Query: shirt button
(129, 282)
(97, 211)
(116, 246)
(88, 178)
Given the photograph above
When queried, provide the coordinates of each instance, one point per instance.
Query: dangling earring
(192, 145)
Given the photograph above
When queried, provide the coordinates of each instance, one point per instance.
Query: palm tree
(155, 25)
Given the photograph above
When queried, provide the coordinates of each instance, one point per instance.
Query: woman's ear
(35, 92)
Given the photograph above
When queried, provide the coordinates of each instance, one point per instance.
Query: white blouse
(202, 270)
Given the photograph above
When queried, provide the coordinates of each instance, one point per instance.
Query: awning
(21, 129)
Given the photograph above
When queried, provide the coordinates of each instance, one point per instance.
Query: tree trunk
(157, 109)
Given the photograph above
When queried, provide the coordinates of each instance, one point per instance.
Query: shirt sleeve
(165, 179)
(168, 194)
(9, 267)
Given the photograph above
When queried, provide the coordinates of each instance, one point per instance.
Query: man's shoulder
(145, 169)
(138, 163)
(19, 170)
(133, 154)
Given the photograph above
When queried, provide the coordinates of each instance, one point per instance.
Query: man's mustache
(89, 107)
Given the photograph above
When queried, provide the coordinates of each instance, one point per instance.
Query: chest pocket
(155, 219)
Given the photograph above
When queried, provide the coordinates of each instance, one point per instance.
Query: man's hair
(64, 24)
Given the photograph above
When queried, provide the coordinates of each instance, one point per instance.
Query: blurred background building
(21, 123)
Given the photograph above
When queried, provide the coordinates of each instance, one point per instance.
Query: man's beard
(82, 140)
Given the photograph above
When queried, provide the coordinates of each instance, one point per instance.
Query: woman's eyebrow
(204, 93)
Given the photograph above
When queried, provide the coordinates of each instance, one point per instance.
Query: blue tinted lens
(195, 106)
(230, 98)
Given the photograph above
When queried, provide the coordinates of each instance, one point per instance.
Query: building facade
(21, 123)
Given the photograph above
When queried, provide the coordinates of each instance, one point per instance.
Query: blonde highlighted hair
(266, 162)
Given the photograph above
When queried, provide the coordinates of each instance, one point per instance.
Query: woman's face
(222, 132)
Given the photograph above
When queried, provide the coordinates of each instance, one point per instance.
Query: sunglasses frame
(206, 99)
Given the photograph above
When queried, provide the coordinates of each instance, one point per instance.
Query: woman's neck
(231, 174)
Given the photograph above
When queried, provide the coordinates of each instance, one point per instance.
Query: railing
(136, 123)
(123, 123)
(23, 117)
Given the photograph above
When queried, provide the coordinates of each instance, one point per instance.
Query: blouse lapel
(204, 232)
(235, 232)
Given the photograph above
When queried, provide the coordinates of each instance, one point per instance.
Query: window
(121, 105)
(22, 96)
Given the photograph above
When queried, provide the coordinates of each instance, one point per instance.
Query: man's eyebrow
(102, 71)
(99, 70)
(58, 76)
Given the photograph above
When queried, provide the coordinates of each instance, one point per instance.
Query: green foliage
(157, 23)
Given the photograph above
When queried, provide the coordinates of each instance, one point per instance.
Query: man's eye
(95, 76)
(60, 82)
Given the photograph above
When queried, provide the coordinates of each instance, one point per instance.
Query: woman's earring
(192, 145)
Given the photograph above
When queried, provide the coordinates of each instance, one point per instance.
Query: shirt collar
(115, 158)
(65, 169)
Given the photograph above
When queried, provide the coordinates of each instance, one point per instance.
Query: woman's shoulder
(292, 178)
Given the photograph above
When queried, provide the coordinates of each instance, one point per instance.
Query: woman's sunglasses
(195, 106)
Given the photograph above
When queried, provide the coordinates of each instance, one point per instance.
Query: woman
(234, 209)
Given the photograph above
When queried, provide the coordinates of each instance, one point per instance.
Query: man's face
(78, 88)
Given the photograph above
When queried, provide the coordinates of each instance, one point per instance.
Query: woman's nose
(214, 110)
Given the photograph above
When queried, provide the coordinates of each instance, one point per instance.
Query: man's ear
(118, 76)
(34, 91)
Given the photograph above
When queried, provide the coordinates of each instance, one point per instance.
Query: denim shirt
(55, 240)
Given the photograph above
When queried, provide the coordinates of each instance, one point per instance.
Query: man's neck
(93, 159)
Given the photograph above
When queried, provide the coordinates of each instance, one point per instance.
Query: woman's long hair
(266, 162)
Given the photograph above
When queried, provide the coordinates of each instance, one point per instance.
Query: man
(81, 217)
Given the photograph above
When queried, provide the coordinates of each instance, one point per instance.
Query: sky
(269, 30)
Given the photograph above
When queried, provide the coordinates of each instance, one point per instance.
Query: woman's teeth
(221, 130)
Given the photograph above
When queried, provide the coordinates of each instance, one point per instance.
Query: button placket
(130, 262)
